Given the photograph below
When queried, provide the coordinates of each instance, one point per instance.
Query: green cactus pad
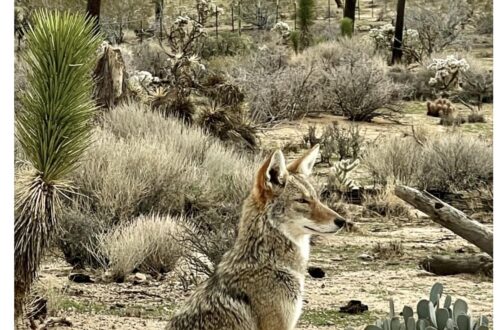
(442, 316)
(463, 322)
(436, 293)
(423, 309)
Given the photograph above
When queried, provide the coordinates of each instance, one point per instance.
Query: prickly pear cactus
(430, 316)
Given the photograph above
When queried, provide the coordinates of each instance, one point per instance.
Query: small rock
(139, 278)
(354, 307)
(80, 278)
(316, 272)
(366, 257)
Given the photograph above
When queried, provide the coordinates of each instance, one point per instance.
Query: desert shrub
(388, 250)
(438, 28)
(477, 83)
(456, 162)
(226, 44)
(484, 22)
(447, 162)
(323, 32)
(145, 56)
(476, 117)
(415, 80)
(387, 204)
(393, 159)
(452, 120)
(274, 91)
(346, 27)
(142, 163)
(311, 138)
(359, 88)
(342, 142)
(333, 53)
(148, 244)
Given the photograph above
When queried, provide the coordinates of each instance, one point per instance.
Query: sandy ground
(149, 305)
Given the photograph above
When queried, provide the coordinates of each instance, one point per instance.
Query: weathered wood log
(110, 78)
(448, 217)
(451, 265)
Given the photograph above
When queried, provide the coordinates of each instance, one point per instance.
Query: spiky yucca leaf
(52, 129)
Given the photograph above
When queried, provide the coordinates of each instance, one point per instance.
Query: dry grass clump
(146, 56)
(148, 244)
(393, 159)
(141, 162)
(446, 162)
(456, 162)
(476, 117)
(387, 204)
(388, 250)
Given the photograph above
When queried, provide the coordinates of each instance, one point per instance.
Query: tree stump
(110, 78)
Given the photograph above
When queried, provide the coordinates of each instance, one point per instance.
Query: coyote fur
(259, 283)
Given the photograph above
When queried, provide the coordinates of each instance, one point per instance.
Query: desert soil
(149, 305)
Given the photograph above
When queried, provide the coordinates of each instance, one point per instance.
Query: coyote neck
(261, 240)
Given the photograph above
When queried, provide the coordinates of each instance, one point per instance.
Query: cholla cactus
(207, 9)
(339, 179)
(447, 72)
(384, 35)
(283, 29)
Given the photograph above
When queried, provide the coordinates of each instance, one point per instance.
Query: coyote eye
(302, 200)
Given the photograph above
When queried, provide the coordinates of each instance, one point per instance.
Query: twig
(415, 136)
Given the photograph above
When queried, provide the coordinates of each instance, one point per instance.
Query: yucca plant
(53, 131)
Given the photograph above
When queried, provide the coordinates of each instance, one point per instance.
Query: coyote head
(291, 200)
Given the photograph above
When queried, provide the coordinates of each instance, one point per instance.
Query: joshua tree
(350, 10)
(94, 10)
(397, 50)
(305, 16)
(53, 131)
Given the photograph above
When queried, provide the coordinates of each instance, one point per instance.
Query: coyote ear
(305, 164)
(271, 176)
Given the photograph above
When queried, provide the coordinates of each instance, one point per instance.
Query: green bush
(227, 44)
(346, 25)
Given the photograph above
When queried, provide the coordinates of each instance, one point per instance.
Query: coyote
(258, 284)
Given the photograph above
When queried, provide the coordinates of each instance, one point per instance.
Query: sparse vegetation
(447, 162)
(149, 244)
(210, 88)
(142, 163)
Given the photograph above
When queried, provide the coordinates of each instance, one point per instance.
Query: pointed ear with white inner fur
(271, 177)
(276, 172)
(304, 165)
